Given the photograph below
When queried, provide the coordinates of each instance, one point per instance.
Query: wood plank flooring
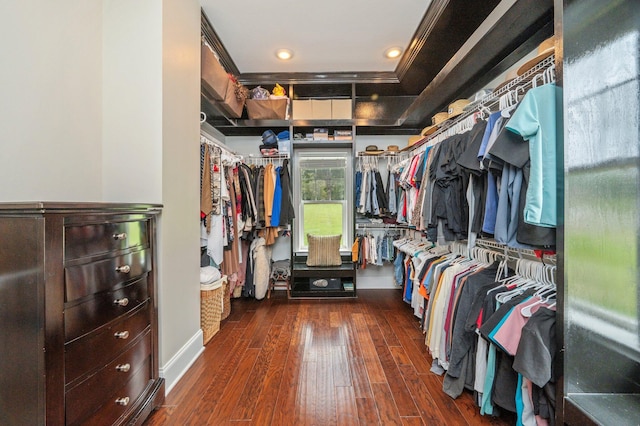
(317, 362)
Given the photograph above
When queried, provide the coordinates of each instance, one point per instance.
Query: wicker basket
(226, 300)
(211, 301)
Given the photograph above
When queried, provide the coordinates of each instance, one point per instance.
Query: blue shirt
(535, 120)
(277, 200)
(487, 133)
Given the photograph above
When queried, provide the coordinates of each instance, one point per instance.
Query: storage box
(231, 106)
(342, 135)
(320, 134)
(213, 77)
(267, 109)
(284, 146)
(302, 110)
(321, 109)
(211, 308)
(341, 109)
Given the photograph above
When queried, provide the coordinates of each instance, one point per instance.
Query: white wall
(132, 97)
(99, 101)
(50, 100)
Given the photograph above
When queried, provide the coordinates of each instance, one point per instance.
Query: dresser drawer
(97, 349)
(92, 239)
(95, 277)
(104, 307)
(123, 379)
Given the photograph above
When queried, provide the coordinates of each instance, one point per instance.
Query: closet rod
(208, 139)
(515, 253)
(362, 154)
(381, 226)
(263, 161)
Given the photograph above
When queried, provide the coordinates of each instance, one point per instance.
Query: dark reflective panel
(602, 110)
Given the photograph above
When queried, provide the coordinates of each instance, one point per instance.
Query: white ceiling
(325, 36)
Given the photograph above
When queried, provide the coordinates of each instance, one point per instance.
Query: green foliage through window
(323, 184)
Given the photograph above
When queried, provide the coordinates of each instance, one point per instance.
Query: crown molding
(429, 20)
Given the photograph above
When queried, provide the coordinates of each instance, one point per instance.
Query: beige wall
(180, 254)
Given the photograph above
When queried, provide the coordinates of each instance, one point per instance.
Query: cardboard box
(231, 106)
(320, 134)
(321, 109)
(341, 109)
(213, 77)
(267, 109)
(342, 135)
(302, 110)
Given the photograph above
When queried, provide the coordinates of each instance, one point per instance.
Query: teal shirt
(536, 120)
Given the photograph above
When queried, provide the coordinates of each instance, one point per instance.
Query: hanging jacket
(287, 212)
(277, 200)
(261, 256)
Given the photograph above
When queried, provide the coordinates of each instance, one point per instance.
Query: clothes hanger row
(367, 162)
(206, 140)
(276, 160)
(541, 73)
(394, 226)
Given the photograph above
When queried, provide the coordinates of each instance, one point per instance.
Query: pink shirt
(508, 335)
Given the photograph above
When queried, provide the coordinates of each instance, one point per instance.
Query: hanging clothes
(536, 120)
(230, 263)
(277, 199)
(261, 266)
(287, 212)
(244, 209)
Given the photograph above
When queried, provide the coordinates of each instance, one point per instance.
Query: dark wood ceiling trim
(216, 44)
(317, 78)
(455, 24)
(429, 20)
(514, 34)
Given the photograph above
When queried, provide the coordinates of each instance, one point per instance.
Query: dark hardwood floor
(317, 362)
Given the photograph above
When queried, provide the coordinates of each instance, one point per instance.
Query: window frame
(299, 154)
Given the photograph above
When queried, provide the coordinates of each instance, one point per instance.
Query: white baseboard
(178, 365)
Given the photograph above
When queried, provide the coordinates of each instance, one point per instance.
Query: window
(322, 193)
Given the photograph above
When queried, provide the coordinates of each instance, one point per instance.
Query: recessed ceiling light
(393, 52)
(284, 54)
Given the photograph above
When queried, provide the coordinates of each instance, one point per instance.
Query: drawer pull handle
(124, 269)
(121, 335)
(123, 401)
(121, 302)
(124, 368)
(121, 236)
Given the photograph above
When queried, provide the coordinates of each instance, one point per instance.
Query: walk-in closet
(331, 213)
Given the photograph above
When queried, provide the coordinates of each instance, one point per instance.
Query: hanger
(527, 310)
(485, 111)
(512, 102)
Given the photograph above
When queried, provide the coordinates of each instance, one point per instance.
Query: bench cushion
(324, 250)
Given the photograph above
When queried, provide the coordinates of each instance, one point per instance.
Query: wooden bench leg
(272, 284)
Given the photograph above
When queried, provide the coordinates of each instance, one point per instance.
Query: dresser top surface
(58, 207)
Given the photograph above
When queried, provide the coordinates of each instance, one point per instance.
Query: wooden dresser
(78, 314)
